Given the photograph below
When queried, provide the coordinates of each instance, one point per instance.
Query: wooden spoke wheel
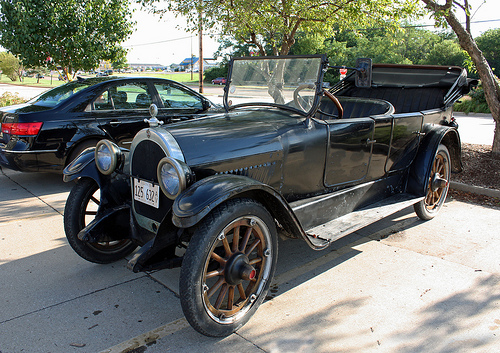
(228, 267)
(438, 185)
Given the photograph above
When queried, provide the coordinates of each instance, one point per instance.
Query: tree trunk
(490, 85)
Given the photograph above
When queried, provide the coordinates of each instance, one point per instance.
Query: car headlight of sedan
(107, 156)
(173, 176)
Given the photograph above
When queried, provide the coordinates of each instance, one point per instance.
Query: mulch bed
(480, 168)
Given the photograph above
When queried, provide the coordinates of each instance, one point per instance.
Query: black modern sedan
(49, 131)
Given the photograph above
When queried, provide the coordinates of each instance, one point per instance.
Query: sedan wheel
(228, 267)
(437, 189)
(81, 208)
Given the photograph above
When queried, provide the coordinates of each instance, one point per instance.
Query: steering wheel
(335, 101)
(297, 98)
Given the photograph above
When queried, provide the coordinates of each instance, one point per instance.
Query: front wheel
(228, 267)
(438, 185)
(81, 208)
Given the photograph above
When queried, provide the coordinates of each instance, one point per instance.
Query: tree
(276, 23)
(71, 34)
(447, 52)
(489, 43)
(120, 61)
(445, 14)
(10, 65)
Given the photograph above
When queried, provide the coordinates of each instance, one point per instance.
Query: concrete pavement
(400, 285)
(475, 128)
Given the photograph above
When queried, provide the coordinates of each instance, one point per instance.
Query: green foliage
(474, 102)
(120, 61)
(276, 23)
(489, 43)
(215, 72)
(8, 98)
(71, 34)
(447, 52)
(10, 65)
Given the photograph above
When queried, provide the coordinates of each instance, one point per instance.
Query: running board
(324, 234)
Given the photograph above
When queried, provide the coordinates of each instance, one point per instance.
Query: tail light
(21, 129)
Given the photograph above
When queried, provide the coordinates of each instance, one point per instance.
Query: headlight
(107, 156)
(173, 176)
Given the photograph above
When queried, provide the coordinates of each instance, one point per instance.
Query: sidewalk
(475, 128)
(399, 285)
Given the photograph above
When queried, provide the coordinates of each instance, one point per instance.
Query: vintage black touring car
(288, 156)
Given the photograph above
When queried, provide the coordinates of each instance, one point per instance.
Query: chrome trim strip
(162, 138)
(27, 152)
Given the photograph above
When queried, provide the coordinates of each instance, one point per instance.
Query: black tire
(438, 186)
(81, 208)
(222, 281)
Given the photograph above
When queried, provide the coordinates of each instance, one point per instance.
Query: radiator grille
(147, 155)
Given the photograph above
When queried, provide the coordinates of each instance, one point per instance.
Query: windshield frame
(318, 83)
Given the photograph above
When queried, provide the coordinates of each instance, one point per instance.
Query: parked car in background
(47, 132)
(288, 156)
(219, 81)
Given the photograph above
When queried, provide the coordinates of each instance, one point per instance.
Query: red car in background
(219, 81)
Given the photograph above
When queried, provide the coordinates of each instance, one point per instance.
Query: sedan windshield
(288, 81)
(59, 94)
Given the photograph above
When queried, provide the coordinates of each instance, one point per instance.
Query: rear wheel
(81, 208)
(439, 183)
(82, 146)
(228, 267)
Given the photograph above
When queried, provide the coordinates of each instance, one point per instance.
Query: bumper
(31, 161)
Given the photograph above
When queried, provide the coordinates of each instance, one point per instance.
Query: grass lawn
(48, 82)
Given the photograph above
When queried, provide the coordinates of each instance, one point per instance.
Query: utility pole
(200, 34)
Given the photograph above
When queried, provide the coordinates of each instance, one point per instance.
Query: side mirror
(363, 72)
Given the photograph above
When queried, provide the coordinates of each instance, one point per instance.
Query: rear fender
(421, 168)
(192, 205)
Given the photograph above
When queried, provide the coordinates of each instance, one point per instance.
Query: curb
(475, 189)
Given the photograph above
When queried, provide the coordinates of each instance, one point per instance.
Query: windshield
(289, 81)
(57, 95)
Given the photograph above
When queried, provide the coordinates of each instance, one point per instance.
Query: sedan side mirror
(363, 72)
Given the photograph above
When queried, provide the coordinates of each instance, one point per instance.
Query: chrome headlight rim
(115, 155)
(183, 173)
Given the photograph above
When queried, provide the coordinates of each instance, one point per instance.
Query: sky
(164, 41)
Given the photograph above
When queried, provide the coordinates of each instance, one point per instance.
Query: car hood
(239, 136)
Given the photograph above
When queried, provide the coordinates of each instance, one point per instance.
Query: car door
(120, 110)
(349, 150)
(178, 103)
(405, 139)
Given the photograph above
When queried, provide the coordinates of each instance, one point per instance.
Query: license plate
(146, 193)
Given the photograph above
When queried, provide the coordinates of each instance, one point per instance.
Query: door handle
(418, 133)
(114, 122)
(370, 142)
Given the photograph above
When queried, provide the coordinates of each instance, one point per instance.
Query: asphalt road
(400, 285)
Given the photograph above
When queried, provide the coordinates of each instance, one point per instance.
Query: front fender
(422, 165)
(112, 224)
(83, 166)
(197, 201)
